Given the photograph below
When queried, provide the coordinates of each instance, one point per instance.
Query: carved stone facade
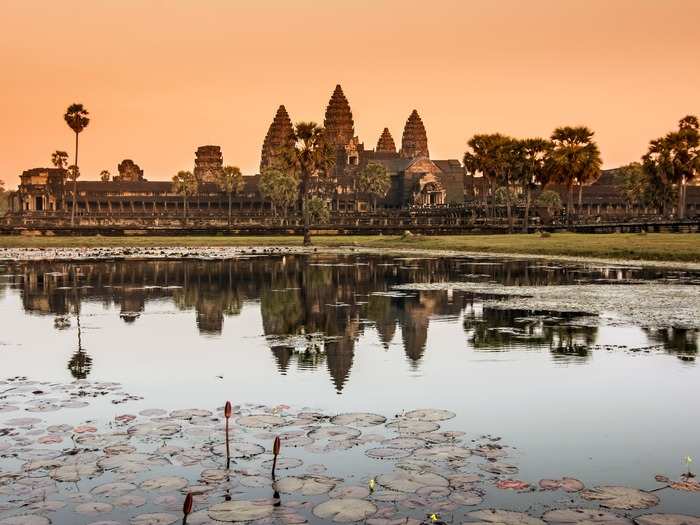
(129, 171)
(338, 124)
(208, 163)
(279, 136)
(414, 142)
(385, 144)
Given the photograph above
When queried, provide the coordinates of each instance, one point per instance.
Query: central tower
(338, 123)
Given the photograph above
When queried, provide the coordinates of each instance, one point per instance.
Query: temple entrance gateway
(429, 192)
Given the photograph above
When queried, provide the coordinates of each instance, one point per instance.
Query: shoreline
(203, 252)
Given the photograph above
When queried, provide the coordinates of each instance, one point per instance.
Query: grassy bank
(653, 247)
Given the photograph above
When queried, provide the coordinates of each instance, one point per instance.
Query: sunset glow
(161, 78)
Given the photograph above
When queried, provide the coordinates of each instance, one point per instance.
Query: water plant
(187, 507)
(227, 415)
(275, 451)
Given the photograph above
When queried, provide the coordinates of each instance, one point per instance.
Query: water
(605, 401)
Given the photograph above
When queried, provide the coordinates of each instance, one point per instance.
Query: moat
(536, 370)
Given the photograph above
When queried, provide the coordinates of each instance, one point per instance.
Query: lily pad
(358, 419)
(158, 518)
(93, 507)
(73, 472)
(496, 467)
(164, 484)
(407, 481)
(404, 442)
(505, 517)
(154, 429)
(584, 516)
(411, 426)
(468, 498)
(345, 510)
(284, 463)
(334, 433)
(666, 519)
(441, 453)
(387, 453)
(239, 450)
(109, 490)
(429, 414)
(261, 421)
(308, 485)
(25, 519)
(129, 500)
(616, 497)
(566, 484)
(349, 491)
(237, 511)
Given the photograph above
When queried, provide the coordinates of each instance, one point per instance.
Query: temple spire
(279, 136)
(414, 142)
(340, 128)
(385, 144)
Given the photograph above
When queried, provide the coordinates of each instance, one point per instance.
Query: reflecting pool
(599, 396)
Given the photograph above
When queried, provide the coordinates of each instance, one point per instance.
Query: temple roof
(386, 142)
(414, 142)
(279, 135)
(338, 123)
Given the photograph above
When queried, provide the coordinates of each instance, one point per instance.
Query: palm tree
(310, 156)
(574, 159)
(59, 159)
(185, 184)
(77, 119)
(230, 181)
(658, 167)
(684, 146)
(105, 175)
(375, 180)
(532, 172)
(487, 159)
(74, 175)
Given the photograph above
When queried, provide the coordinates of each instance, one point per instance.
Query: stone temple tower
(414, 142)
(340, 128)
(279, 136)
(385, 144)
(208, 163)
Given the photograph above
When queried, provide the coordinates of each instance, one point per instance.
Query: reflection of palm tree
(682, 342)
(501, 329)
(80, 363)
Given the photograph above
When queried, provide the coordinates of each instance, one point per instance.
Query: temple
(418, 182)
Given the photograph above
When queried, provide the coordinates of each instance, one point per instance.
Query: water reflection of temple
(315, 308)
(568, 336)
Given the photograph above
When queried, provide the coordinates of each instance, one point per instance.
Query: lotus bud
(187, 506)
(227, 410)
(277, 446)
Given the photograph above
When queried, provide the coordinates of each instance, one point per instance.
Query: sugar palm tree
(312, 157)
(375, 180)
(685, 157)
(574, 159)
(185, 184)
(59, 159)
(487, 158)
(532, 171)
(73, 176)
(230, 181)
(76, 117)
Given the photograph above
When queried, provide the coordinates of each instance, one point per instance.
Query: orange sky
(163, 77)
